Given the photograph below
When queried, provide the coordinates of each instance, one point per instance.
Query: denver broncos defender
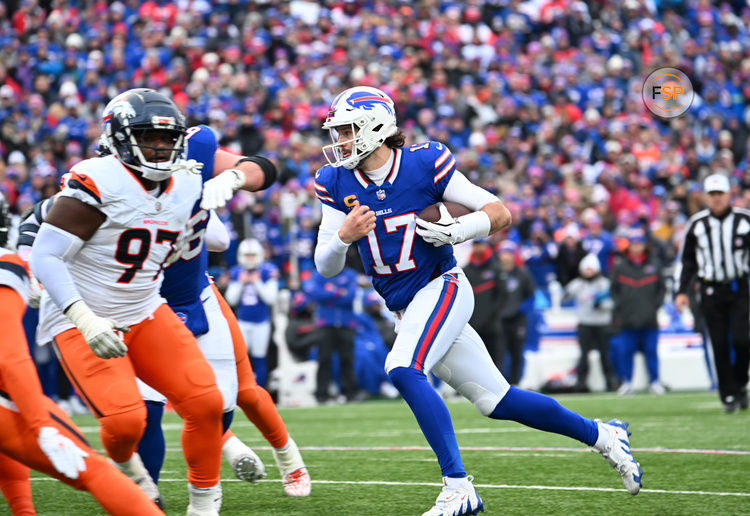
(99, 255)
(370, 192)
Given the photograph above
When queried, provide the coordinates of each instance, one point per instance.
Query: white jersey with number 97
(118, 271)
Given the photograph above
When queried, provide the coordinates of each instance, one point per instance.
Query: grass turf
(371, 458)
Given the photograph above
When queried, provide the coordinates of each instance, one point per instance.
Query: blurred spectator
(518, 287)
(334, 317)
(570, 253)
(637, 289)
(594, 310)
(371, 346)
(487, 281)
(253, 290)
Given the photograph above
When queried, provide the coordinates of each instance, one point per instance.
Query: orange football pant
(165, 355)
(253, 399)
(20, 451)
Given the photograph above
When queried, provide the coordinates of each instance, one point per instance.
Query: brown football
(432, 212)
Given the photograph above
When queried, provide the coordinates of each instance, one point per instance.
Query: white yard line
(481, 486)
(499, 449)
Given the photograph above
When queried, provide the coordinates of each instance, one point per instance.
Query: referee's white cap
(716, 183)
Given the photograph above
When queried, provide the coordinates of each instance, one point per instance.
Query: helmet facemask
(167, 156)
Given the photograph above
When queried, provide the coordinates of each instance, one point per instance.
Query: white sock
(462, 482)
(287, 445)
(604, 435)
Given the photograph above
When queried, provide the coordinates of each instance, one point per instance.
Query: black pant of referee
(726, 309)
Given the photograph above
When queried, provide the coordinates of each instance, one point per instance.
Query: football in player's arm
(371, 191)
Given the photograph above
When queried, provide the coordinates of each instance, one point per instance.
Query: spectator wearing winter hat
(637, 289)
(570, 253)
(594, 310)
(518, 286)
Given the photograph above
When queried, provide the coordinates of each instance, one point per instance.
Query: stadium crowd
(540, 101)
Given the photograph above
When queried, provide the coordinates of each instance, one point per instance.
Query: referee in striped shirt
(716, 248)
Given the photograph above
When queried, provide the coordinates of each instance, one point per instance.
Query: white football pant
(257, 337)
(218, 349)
(434, 336)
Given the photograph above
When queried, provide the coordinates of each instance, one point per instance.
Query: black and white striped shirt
(715, 248)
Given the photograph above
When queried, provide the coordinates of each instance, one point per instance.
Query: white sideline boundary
(480, 486)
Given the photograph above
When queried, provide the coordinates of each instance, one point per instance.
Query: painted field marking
(481, 486)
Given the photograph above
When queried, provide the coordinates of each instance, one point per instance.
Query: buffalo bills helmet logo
(366, 100)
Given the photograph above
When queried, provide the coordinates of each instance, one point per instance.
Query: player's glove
(98, 331)
(65, 456)
(449, 230)
(445, 231)
(218, 190)
(35, 292)
(192, 166)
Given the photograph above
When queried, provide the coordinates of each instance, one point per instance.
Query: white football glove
(218, 190)
(65, 456)
(35, 293)
(98, 331)
(191, 165)
(446, 231)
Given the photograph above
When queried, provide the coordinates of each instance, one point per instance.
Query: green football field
(371, 459)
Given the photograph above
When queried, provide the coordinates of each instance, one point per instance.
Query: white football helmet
(250, 254)
(372, 117)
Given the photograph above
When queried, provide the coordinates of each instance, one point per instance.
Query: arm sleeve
(687, 264)
(216, 236)
(52, 248)
(17, 370)
(233, 293)
(463, 191)
(330, 252)
(268, 291)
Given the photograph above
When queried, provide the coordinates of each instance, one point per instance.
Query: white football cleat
(294, 475)
(204, 501)
(245, 463)
(134, 469)
(457, 501)
(617, 453)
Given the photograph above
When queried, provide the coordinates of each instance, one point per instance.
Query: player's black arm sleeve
(270, 173)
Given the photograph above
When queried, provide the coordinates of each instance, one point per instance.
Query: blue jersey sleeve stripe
(325, 198)
(447, 168)
(320, 187)
(442, 158)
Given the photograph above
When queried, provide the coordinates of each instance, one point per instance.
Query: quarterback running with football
(371, 191)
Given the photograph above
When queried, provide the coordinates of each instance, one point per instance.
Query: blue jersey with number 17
(186, 278)
(398, 260)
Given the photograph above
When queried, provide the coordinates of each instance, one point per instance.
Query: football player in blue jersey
(371, 191)
(253, 290)
(190, 293)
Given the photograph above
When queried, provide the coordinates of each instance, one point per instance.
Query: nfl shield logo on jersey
(381, 194)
